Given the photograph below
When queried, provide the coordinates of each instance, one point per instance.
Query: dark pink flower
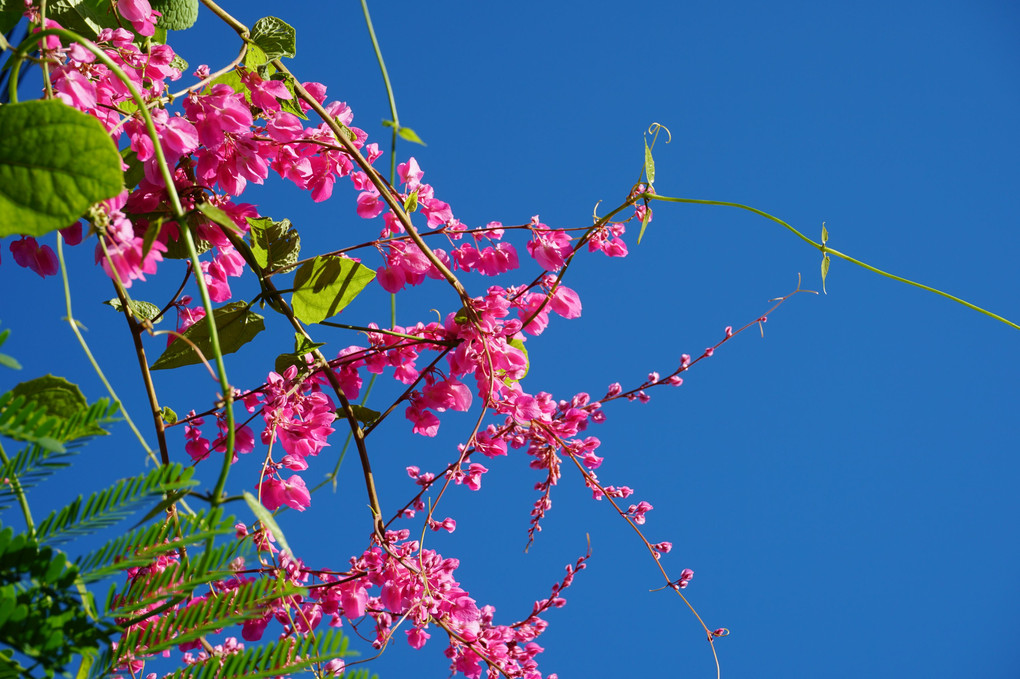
(39, 258)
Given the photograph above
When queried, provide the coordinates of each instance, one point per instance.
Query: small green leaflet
(54, 163)
(267, 520)
(327, 284)
(825, 257)
(276, 245)
(141, 310)
(236, 325)
(361, 414)
(5, 360)
(405, 133)
(649, 164)
(218, 216)
(411, 204)
(302, 346)
(168, 415)
(275, 37)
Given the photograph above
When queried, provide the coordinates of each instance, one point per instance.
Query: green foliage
(176, 581)
(405, 133)
(276, 245)
(55, 162)
(24, 420)
(177, 14)
(302, 347)
(208, 614)
(278, 658)
(141, 545)
(64, 417)
(236, 325)
(5, 360)
(327, 284)
(41, 616)
(142, 311)
(275, 37)
(109, 506)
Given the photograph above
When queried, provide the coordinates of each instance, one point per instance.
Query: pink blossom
(274, 493)
(549, 248)
(39, 258)
(140, 14)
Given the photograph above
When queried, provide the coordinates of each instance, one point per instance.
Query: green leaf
(649, 164)
(275, 36)
(363, 414)
(5, 360)
(327, 284)
(54, 163)
(290, 105)
(143, 311)
(55, 395)
(177, 14)
(825, 271)
(168, 415)
(405, 133)
(255, 57)
(218, 216)
(644, 223)
(302, 346)
(411, 204)
(408, 134)
(236, 325)
(276, 245)
(825, 234)
(263, 515)
(87, 17)
(135, 171)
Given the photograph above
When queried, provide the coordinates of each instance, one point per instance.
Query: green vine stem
(389, 89)
(826, 250)
(88, 352)
(19, 493)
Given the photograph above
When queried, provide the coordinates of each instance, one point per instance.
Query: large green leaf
(276, 245)
(275, 37)
(54, 163)
(236, 325)
(177, 14)
(327, 284)
(55, 395)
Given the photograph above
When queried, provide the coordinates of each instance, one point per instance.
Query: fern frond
(273, 660)
(25, 420)
(141, 545)
(30, 466)
(88, 422)
(206, 615)
(110, 506)
(177, 580)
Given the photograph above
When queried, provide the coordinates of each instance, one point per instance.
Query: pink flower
(549, 248)
(39, 258)
(274, 493)
(417, 637)
(140, 14)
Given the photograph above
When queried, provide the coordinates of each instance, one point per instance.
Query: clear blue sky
(845, 488)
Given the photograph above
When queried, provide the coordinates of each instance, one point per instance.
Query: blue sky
(845, 488)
